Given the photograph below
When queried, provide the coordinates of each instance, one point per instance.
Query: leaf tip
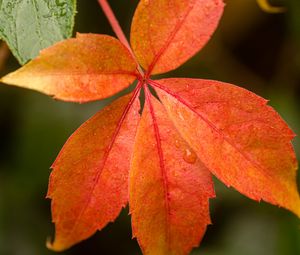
(53, 246)
(4, 79)
(12, 78)
(49, 243)
(58, 244)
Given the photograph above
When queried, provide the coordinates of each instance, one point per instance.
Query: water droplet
(189, 156)
(146, 2)
(177, 143)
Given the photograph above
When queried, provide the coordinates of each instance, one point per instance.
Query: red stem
(117, 29)
(114, 22)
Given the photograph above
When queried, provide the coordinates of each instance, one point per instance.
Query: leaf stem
(117, 29)
(114, 22)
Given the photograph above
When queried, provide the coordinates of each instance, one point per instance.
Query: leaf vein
(169, 40)
(263, 171)
(105, 157)
(162, 167)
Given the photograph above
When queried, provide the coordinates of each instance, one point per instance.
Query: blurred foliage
(251, 48)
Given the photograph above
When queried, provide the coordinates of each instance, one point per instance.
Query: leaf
(32, 25)
(87, 68)
(169, 187)
(197, 128)
(89, 181)
(267, 7)
(165, 34)
(237, 136)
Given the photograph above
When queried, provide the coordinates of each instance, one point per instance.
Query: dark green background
(253, 49)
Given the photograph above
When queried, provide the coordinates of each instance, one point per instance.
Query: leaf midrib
(209, 123)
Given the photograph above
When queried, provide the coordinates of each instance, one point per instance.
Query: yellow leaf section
(89, 182)
(169, 187)
(81, 69)
(241, 139)
(166, 33)
(267, 7)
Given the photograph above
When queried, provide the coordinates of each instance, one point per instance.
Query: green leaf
(29, 26)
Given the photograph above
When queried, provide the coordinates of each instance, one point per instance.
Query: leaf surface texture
(169, 187)
(89, 182)
(81, 69)
(241, 139)
(166, 33)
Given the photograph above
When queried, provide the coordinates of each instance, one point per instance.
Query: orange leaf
(89, 182)
(80, 69)
(237, 136)
(169, 187)
(165, 34)
(199, 127)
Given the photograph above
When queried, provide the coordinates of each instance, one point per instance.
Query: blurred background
(251, 48)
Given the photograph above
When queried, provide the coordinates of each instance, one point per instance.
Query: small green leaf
(29, 26)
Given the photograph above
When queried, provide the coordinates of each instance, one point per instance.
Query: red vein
(181, 100)
(106, 154)
(169, 41)
(118, 30)
(161, 163)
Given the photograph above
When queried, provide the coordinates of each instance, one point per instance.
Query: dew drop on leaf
(189, 156)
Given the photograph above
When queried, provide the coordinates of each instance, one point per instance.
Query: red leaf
(165, 34)
(169, 187)
(87, 68)
(89, 182)
(203, 126)
(237, 136)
